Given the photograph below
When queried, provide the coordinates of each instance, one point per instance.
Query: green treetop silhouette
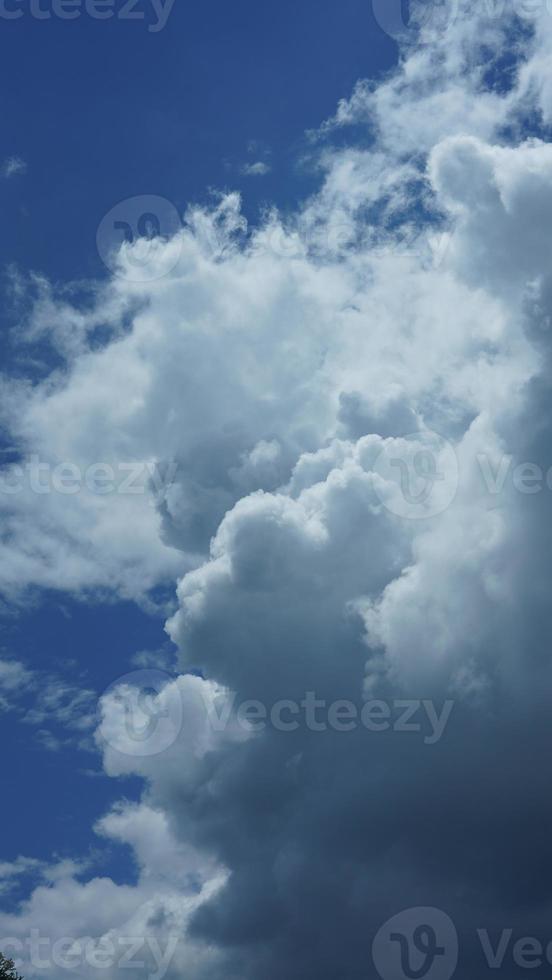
(7, 970)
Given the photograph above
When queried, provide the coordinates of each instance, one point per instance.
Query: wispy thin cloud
(258, 169)
(54, 702)
(12, 167)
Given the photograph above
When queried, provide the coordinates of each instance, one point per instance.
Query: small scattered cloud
(13, 675)
(11, 872)
(70, 709)
(24, 869)
(12, 167)
(49, 741)
(162, 659)
(257, 169)
(53, 702)
(258, 164)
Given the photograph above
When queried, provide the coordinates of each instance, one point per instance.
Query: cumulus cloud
(298, 390)
(74, 926)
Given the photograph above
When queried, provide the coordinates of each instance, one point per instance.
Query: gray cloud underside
(271, 367)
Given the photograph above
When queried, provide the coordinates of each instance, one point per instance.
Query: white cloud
(270, 369)
(141, 926)
(37, 698)
(13, 166)
(13, 675)
(258, 169)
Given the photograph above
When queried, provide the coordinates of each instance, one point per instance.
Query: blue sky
(275, 487)
(109, 110)
(100, 112)
(88, 646)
